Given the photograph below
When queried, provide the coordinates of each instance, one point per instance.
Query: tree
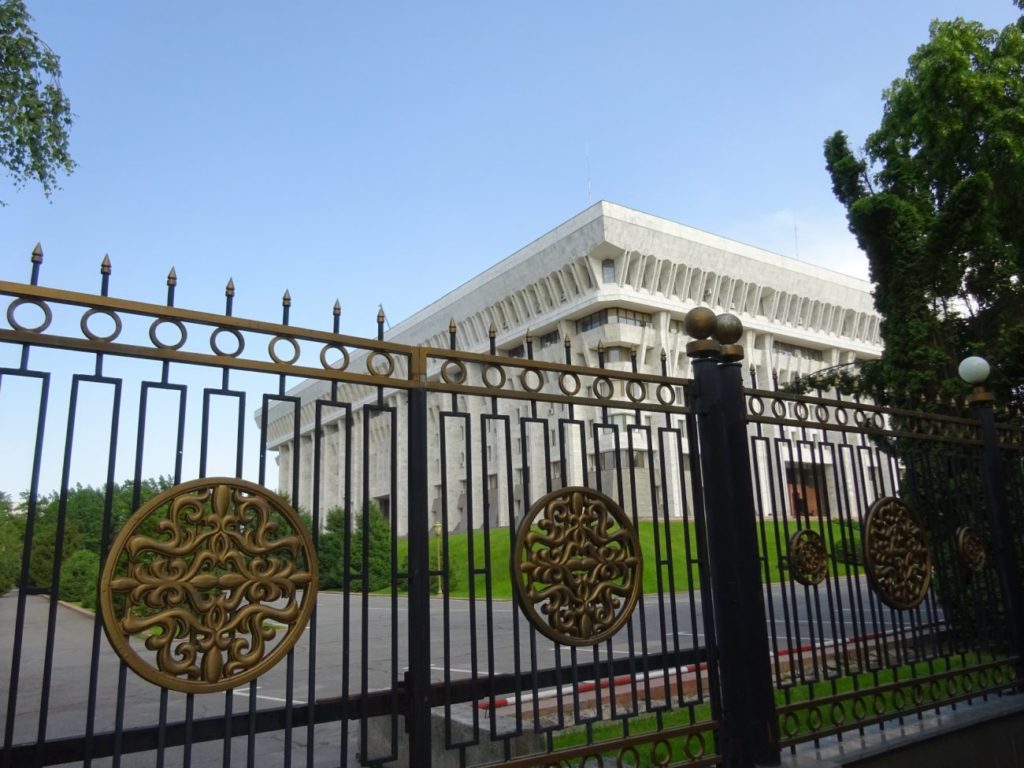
(35, 115)
(331, 551)
(936, 202)
(78, 577)
(12, 532)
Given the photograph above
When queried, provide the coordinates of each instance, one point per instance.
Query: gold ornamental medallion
(808, 558)
(208, 585)
(971, 549)
(896, 555)
(577, 566)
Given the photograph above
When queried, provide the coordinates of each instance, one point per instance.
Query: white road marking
(241, 692)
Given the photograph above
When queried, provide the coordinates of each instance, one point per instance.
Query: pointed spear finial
(37, 262)
(492, 331)
(600, 346)
(229, 297)
(105, 276)
(337, 308)
(664, 355)
(380, 313)
(286, 300)
(568, 340)
(451, 326)
(529, 336)
(172, 277)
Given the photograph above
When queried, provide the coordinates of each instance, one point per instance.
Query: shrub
(78, 577)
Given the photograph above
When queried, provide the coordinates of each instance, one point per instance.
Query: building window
(608, 271)
(548, 339)
(794, 350)
(592, 321)
(613, 315)
(629, 317)
(519, 351)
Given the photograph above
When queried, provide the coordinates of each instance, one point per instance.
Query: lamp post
(975, 370)
(436, 529)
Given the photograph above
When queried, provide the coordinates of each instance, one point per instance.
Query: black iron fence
(334, 550)
(879, 523)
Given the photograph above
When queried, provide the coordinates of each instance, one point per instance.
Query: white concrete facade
(611, 276)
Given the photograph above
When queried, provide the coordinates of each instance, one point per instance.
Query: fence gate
(238, 542)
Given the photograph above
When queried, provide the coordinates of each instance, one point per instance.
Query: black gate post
(417, 679)
(994, 479)
(749, 734)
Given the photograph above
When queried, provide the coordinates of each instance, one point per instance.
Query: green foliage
(35, 115)
(78, 578)
(375, 539)
(12, 531)
(936, 202)
(83, 522)
(371, 534)
(848, 549)
(331, 550)
(44, 541)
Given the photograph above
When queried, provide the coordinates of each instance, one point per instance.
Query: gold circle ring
(577, 566)
(208, 575)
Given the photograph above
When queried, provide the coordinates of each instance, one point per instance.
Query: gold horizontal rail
(162, 311)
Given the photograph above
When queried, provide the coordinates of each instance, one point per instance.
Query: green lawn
(885, 693)
(679, 539)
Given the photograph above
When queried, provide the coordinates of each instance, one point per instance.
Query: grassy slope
(683, 557)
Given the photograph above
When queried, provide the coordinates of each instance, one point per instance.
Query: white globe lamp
(974, 370)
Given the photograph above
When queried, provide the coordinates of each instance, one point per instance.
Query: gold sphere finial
(699, 322)
(728, 329)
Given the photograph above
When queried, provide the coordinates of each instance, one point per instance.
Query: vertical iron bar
(30, 520)
(418, 676)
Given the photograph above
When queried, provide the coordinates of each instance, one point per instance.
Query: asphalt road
(800, 618)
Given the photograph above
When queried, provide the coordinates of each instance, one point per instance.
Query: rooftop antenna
(588, 173)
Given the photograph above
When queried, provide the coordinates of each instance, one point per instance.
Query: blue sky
(384, 153)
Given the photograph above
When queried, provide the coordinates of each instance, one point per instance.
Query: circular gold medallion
(808, 559)
(896, 555)
(577, 566)
(208, 585)
(971, 548)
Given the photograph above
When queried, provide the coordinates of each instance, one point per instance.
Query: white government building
(611, 276)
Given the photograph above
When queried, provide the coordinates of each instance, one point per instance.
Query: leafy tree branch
(35, 114)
